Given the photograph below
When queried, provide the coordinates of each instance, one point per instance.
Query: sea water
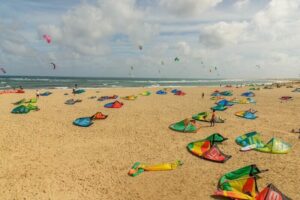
(31, 82)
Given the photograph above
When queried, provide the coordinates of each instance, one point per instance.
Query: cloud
(278, 20)
(223, 33)
(241, 4)
(87, 28)
(103, 36)
(187, 8)
(183, 48)
(276, 23)
(12, 41)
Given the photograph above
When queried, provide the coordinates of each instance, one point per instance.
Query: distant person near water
(37, 94)
(74, 89)
(202, 95)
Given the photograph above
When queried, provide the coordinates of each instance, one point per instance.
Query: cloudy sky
(211, 38)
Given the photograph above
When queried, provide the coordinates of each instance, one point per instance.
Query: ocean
(32, 82)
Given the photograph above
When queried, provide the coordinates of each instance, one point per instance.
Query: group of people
(37, 92)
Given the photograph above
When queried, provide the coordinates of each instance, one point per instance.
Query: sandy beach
(44, 156)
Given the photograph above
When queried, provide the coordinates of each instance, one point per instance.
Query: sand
(44, 156)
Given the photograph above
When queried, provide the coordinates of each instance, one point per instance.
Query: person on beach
(21, 88)
(251, 110)
(74, 89)
(213, 119)
(188, 121)
(294, 131)
(202, 95)
(37, 94)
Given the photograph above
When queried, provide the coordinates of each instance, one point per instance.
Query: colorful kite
(47, 38)
(239, 184)
(208, 149)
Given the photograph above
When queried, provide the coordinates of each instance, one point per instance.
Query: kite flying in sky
(3, 70)
(54, 66)
(47, 38)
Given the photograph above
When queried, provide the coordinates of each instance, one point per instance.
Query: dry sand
(44, 156)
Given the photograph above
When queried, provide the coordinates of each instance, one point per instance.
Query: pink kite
(47, 38)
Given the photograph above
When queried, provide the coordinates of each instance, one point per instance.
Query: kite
(139, 168)
(47, 38)
(252, 140)
(239, 184)
(176, 59)
(54, 66)
(3, 70)
(271, 192)
(140, 47)
(208, 149)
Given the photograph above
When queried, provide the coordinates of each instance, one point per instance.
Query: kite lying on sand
(206, 117)
(252, 140)
(132, 97)
(241, 184)
(107, 97)
(246, 114)
(219, 108)
(139, 168)
(271, 193)
(207, 148)
(186, 126)
(87, 121)
(23, 109)
(115, 104)
(145, 93)
(72, 101)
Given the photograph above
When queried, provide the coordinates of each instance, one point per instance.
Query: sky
(101, 38)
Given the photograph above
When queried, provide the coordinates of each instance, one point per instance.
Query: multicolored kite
(239, 184)
(253, 139)
(208, 149)
(271, 193)
(139, 168)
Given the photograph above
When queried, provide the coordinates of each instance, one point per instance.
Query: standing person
(74, 89)
(202, 95)
(37, 94)
(213, 118)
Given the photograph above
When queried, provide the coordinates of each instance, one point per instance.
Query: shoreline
(85, 83)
